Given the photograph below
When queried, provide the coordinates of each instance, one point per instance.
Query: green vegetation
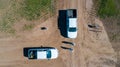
(28, 26)
(11, 11)
(2, 5)
(33, 9)
(109, 12)
(7, 18)
(6, 24)
(107, 8)
(115, 37)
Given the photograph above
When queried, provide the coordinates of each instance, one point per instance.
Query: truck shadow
(62, 23)
(25, 51)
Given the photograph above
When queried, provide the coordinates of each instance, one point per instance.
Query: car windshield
(48, 54)
(72, 29)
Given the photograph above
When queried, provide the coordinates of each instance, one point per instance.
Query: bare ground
(92, 49)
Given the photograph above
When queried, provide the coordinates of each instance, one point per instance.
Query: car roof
(72, 22)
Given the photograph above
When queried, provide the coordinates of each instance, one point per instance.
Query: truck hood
(72, 34)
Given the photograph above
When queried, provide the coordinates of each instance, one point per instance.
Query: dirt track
(92, 49)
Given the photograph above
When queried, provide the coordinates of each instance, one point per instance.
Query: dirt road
(92, 49)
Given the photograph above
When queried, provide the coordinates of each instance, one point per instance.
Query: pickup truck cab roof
(71, 23)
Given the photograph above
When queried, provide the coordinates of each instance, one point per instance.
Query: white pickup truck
(71, 21)
(43, 53)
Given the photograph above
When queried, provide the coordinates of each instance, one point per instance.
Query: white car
(43, 53)
(71, 23)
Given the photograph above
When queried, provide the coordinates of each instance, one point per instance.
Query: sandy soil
(92, 49)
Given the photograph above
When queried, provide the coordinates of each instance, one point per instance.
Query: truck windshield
(32, 54)
(48, 54)
(72, 29)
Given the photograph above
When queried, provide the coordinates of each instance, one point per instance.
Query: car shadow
(62, 23)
